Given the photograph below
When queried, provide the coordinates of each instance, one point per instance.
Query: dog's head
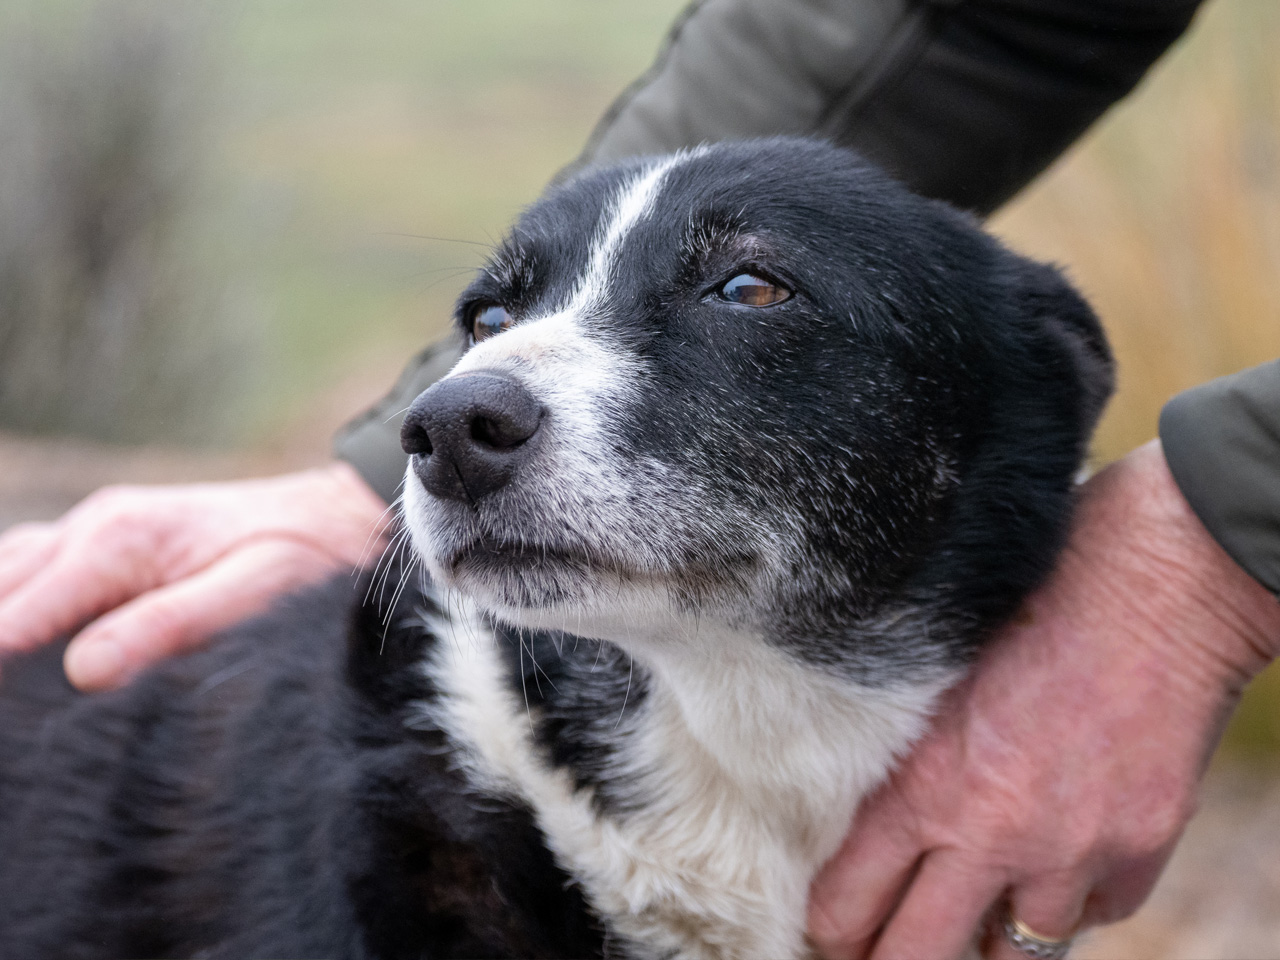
(763, 386)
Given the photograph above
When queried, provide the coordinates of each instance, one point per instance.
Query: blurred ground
(363, 155)
(41, 478)
(1220, 896)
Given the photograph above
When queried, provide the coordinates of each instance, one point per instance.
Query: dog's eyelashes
(488, 319)
(750, 290)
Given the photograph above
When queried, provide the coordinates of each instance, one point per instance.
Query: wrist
(1235, 620)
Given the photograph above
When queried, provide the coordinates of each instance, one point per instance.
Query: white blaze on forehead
(633, 202)
(554, 338)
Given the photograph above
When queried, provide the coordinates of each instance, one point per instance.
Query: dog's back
(264, 797)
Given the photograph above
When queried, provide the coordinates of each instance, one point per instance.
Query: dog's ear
(1048, 300)
(1049, 376)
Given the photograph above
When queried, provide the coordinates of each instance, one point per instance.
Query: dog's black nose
(469, 434)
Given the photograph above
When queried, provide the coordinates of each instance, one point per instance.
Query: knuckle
(121, 520)
(1076, 844)
(107, 497)
(107, 509)
(1159, 824)
(1149, 839)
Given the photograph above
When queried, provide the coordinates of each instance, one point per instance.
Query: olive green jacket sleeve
(966, 100)
(1222, 443)
(371, 442)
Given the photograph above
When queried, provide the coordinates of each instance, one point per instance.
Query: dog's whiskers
(630, 670)
(524, 686)
(376, 527)
(382, 570)
(378, 569)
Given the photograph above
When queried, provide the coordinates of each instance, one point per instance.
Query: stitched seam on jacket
(901, 50)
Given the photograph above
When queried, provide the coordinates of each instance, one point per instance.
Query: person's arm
(963, 100)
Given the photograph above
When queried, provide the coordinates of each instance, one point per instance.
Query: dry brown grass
(1168, 217)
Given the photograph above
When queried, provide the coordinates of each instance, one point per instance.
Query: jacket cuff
(1222, 444)
(371, 442)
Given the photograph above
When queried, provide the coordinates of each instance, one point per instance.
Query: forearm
(1240, 617)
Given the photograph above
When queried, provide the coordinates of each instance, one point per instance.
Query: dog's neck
(730, 777)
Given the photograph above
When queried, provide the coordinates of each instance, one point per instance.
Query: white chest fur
(747, 767)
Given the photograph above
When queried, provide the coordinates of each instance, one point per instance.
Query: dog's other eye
(488, 320)
(752, 291)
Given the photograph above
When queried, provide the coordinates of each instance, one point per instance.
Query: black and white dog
(751, 452)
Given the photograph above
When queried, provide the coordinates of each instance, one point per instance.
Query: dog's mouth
(520, 574)
(493, 556)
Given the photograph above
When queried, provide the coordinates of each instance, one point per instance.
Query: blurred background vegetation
(257, 179)
(228, 223)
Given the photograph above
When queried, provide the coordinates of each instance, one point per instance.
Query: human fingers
(857, 889)
(1120, 893)
(941, 913)
(184, 614)
(72, 588)
(25, 549)
(1046, 909)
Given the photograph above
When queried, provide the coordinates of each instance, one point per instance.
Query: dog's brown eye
(489, 320)
(753, 291)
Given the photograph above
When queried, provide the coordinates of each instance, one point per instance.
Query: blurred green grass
(366, 129)
(353, 142)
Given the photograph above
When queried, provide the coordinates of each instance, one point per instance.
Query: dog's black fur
(282, 794)
(265, 798)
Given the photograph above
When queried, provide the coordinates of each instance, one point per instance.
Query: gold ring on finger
(1034, 945)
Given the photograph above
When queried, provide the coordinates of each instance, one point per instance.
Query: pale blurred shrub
(115, 319)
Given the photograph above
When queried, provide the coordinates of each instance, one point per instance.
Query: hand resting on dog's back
(145, 572)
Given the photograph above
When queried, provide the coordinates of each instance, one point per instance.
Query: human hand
(157, 570)
(1059, 776)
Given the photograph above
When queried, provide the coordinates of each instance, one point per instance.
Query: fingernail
(94, 666)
